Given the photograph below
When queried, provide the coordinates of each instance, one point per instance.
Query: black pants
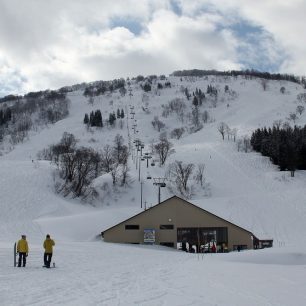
(23, 258)
(47, 259)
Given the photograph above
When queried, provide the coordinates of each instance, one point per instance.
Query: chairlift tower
(147, 157)
(160, 182)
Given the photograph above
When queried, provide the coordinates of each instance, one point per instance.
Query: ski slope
(245, 188)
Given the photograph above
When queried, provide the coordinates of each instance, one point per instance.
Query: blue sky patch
(253, 53)
(176, 7)
(11, 83)
(132, 25)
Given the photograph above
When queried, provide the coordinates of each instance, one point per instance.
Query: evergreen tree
(147, 87)
(195, 101)
(112, 118)
(285, 147)
(187, 94)
(122, 113)
(86, 119)
(91, 119)
(98, 118)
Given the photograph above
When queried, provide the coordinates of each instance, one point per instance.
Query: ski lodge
(180, 224)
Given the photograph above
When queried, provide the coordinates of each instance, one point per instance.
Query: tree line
(100, 87)
(245, 73)
(286, 147)
(30, 112)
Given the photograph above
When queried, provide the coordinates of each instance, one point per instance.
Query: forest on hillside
(286, 147)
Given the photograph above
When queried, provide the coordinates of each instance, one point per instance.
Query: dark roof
(145, 211)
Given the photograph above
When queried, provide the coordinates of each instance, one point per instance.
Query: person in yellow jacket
(48, 246)
(22, 250)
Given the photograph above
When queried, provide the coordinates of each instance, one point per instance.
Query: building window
(132, 227)
(166, 226)
(168, 244)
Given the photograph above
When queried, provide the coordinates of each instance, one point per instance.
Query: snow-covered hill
(244, 188)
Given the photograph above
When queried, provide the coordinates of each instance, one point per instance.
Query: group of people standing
(23, 251)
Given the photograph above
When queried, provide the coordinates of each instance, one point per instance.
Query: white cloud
(284, 20)
(57, 43)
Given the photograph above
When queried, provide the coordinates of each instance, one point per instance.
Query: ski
(15, 255)
(51, 266)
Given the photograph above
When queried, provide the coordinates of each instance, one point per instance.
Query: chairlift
(152, 164)
(149, 177)
(162, 184)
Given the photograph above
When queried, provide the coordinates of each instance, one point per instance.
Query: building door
(202, 237)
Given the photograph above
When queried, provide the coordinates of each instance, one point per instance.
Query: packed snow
(244, 188)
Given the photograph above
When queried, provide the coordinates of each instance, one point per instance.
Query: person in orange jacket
(48, 246)
(22, 250)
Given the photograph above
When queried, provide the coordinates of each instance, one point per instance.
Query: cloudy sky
(53, 43)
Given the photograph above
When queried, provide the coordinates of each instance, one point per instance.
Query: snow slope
(245, 188)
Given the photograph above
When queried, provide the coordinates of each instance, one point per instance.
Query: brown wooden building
(177, 223)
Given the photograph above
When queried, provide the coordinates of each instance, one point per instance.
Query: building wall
(179, 213)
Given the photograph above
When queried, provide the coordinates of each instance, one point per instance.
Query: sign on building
(149, 235)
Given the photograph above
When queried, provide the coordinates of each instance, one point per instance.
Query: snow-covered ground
(95, 273)
(245, 188)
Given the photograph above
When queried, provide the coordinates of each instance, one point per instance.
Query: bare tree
(234, 132)
(78, 168)
(277, 123)
(125, 177)
(177, 133)
(300, 109)
(157, 124)
(87, 168)
(222, 128)
(177, 106)
(195, 118)
(163, 149)
(122, 91)
(244, 144)
(107, 158)
(199, 176)
(264, 84)
(228, 131)
(115, 173)
(66, 145)
(179, 174)
(68, 166)
(205, 116)
(301, 97)
(120, 150)
(293, 117)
